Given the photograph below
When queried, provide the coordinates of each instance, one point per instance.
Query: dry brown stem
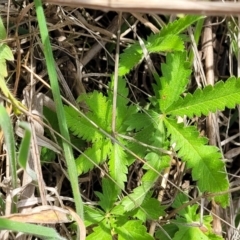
(157, 6)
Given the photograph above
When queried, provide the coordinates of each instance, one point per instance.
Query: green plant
(157, 129)
(22, 157)
(6, 54)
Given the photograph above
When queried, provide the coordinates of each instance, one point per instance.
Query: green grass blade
(72, 171)
(25, 149)
(36, 230)
(6, 125)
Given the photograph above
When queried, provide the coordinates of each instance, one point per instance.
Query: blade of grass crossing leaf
(40, 231)
(72, 171)
(6, 125)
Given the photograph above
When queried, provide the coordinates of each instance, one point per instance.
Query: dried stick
(157, 6)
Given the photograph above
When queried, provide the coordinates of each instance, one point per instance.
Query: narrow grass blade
(72, 171)
(6, 125)
(25, 149)
(39, 231)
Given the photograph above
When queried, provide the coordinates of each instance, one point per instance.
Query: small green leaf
(166, 232)
(6, 52)
(109, 195)
(3, 68)
(189, 233)
(136, 198)
(152, 209)
(133, 230)
(102, 231)
(97, 154)
(80, 126)
(189, 213)
(92, 215)
(164, 44)
(118, 165)
(130, 58)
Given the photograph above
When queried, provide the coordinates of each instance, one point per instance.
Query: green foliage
(188, 223)
(151, 133)
(6, 55)
(102, 148)
(210, 99)
(168, 39)
(112, 220)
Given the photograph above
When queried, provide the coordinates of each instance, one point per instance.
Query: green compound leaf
(133, 55)
(207, 167)
(209, 99)
(166, 40)
(175, 77)
(133, 230)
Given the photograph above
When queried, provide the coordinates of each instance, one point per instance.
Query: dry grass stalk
(162, 6)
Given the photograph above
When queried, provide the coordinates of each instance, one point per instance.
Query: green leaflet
(77, 123)
(136, 198)
(179, 25)
(98, 232)
(209, 99)
(94, 155)
(133, 230)
(150, 209)
(92, 215)
(118, 163)
(175, 77)
(207, 167)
